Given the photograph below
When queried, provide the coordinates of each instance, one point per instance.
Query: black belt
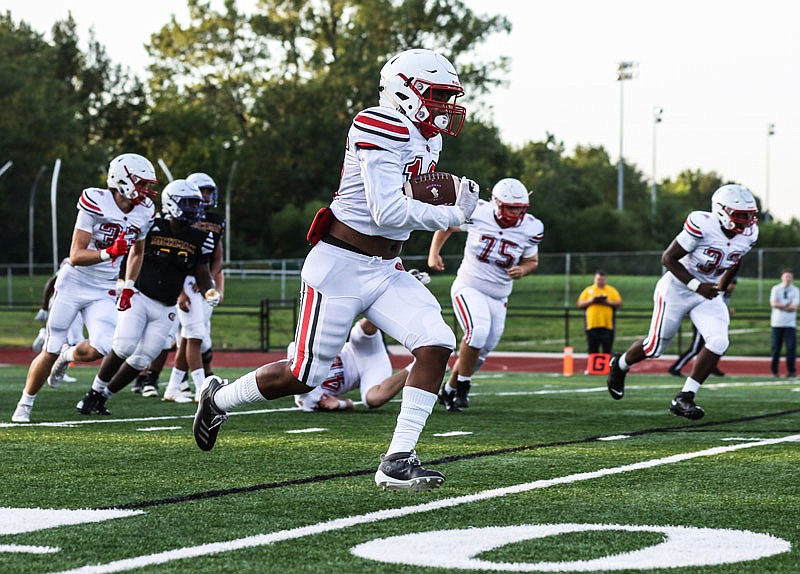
(336, 242)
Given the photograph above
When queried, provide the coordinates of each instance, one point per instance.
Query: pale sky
(722, 70)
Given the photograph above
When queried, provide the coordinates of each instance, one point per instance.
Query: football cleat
(176, 396)
(208, 418)
(675, 372)
(461, 400)
(683, 406)
(22, 414)
(38, 342)
(139, 383)
(448, 400)
(616, 378)
(92, 402)
(717, 373)
(59, 369)
(149, 390)
(403, 471)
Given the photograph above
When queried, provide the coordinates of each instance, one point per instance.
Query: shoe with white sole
(176, 396)
(22, 414)
(59, 369)
(404, 471)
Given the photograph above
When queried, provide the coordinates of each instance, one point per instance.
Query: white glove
(213, 297)
(467, 198)
(421, 276)
(42, 315)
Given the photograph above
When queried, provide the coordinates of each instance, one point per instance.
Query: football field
(544, 474)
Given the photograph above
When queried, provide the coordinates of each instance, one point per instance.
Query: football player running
(194, 349)
(354, 267)
(502, 246)
(156, 270)
(109, 221)
(701, 262)
(363, 363)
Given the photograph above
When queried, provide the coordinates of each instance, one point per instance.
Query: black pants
(781, 336)
(697, 345)
(600, 338)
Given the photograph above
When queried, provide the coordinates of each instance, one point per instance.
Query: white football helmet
(735, 207)
(420, 84)
(133, 176)
(510, 192)
(207, 186)
(182, 200)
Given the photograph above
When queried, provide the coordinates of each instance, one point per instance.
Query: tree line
(262, 102)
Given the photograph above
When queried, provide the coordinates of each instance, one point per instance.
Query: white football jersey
(385, 149)
(342, 378)
(492, 250)
(99, 215)
(710, 251)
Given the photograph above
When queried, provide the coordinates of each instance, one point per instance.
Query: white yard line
(341, 523)
(103, 420)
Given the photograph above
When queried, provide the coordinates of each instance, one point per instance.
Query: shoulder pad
(695, 222)
(91, 201)
(379, 127)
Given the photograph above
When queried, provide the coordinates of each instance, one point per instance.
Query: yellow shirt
(600, 316)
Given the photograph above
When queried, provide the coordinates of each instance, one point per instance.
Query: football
(436, 188)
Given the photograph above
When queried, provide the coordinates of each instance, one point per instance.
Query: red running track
(517, 362)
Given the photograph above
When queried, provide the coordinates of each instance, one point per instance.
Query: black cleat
(141, 381)
(616, 378)
(208, 418)
(683, 406)
(675, 372)
(448, 400)
(717, 373)
(461, 400)
(93, 402)
(403, 471)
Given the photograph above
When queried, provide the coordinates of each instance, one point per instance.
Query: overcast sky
(721, 70)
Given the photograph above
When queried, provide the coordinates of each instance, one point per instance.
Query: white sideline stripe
(340, 523)
(94, 421)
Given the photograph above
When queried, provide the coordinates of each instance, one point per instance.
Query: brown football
(437, 188)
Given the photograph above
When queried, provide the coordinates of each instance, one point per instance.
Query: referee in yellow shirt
(600, 302)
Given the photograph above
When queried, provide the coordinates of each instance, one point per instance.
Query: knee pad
(123, 347)
(479, 336)
(717, 343)
(138, 360)
(438, 335)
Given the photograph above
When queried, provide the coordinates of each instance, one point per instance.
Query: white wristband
(104, 255)
(342, 404)
(693, 284)
(129, 283)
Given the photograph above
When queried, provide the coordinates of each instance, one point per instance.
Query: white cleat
(22, 414)
(59, 369)
(176, 397)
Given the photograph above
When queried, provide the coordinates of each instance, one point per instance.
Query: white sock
(417, 405)
(68, 354)
(463, 379)
(175, 380)
(198, 376)
(101, 387)
(690, 386)
(622, 363)
(448, 388)
(27, 399)
(242, 391)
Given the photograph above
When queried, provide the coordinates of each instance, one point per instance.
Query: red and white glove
(124, 301)
(116, 249)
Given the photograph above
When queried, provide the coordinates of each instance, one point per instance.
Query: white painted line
(312, 429)
(151, 429)
(340, 523)
(615, 437)
(741, 438)
(453, 433)
(24, 549)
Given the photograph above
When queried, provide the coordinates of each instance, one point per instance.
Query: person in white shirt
(354, 266)
(701, 262)
(784, 299)
(502, 247)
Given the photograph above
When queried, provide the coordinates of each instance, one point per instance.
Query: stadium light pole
(53, 218)
(770, 133)
(30, 218)
(625, 71)
(657, 113)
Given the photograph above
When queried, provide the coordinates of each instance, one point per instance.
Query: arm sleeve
(389, 207)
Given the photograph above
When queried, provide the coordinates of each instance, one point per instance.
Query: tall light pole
(770, 133)
(625, 71)
(657, 112)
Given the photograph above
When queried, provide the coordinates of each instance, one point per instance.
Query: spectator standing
(784, 299)
(600, 302)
